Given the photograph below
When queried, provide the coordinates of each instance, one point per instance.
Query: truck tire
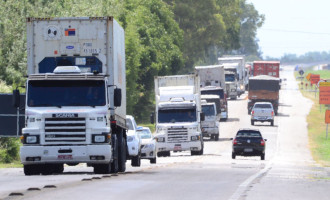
(102, 168)
(30, 170)
(194, 153)
(122, 152)
(216, 137)
(160, 154)
(167, 153)
(58, 168)
(272, 123)
(252, 122)
(153, 160)
(233, 155)
(114, 163)
(136, 160)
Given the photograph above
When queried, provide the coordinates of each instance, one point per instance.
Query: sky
(293, 26)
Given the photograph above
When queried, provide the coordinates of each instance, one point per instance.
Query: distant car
(262, 112)
(133, 141)
(148, 146)
(249, 142)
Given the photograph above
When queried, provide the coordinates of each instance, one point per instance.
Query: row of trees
(163, 37)
(309, 57)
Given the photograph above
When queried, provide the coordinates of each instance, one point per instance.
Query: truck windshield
(218, 92)
(177, 115)
(44, 93)
(230, 77)
(208, 110)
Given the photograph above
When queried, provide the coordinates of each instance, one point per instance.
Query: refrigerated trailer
(75, 95)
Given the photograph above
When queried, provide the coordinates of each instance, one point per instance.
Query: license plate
(177, 147)
(248, 150)
(64, 157)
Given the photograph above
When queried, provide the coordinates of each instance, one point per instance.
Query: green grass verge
(15, 164)
(319, 145)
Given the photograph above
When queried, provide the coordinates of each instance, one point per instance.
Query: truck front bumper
(184, 146)
(92, 154)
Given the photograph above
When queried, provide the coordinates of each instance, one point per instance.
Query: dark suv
(249, 142)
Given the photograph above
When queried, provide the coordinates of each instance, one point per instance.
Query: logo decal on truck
(70, 32)
(65, 115)
(69, 47)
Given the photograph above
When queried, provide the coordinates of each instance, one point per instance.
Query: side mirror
(265, 140)
(202, 116)
(231, 138)
(16, 98)
(152, 118)
(117, 97)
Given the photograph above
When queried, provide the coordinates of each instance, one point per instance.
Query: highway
(288, 171)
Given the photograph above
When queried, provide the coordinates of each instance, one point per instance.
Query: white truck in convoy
(75, 95)
(178, 115)
(210, 126)
(231, 77)
(212, 82)
(239, 61)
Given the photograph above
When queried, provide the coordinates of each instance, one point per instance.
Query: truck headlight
(31, 139)
(195, 138)
(100, 138)
(160, 139)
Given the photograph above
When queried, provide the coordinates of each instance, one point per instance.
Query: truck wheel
(216, 137)
(194, 153)
(48, 169)
(167, 153)
(58, 168)
(252, 122)
(114, 164)
(30, 170)
(122, 152)
(102, 168)
(136, 160)
(160, 154)
(233, 155)
(272, 123)
(153, 160)
(262, 156)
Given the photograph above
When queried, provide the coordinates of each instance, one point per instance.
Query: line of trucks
(76, 98)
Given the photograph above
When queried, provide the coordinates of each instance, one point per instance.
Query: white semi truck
(178, 114)
(239, 61)
(75, 95)
(212, 82)
(232, 83)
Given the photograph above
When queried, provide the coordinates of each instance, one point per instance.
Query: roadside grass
(319, 145)
(14, 164)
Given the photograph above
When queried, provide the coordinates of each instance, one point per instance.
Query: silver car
(262, 112)
(148, 147)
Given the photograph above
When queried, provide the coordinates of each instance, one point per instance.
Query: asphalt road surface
(288, 172)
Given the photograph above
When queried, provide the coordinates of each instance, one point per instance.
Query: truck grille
(59, 130)
(177, 135)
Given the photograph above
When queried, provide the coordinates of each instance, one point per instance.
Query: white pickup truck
(262, 112)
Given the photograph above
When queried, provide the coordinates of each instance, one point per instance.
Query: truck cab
(75, 95)
(210, 126)
(178, 115)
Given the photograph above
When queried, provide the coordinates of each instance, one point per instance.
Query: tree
(251, 20)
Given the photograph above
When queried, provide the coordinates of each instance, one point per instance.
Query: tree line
(163, 37)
